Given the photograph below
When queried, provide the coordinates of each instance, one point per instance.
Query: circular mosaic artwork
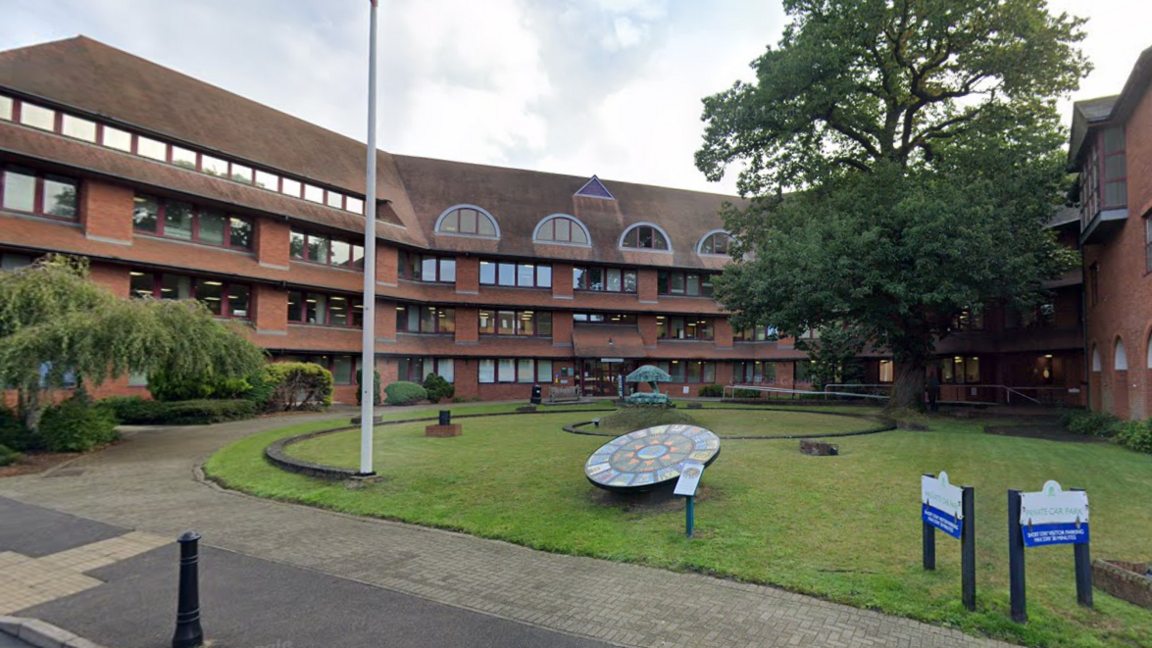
(646, 458)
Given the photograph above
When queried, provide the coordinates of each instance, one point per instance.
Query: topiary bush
(403, 392)
(1135, 435)
(360, 387)
(14, 435)
(438, 388)
(8, 456)
(298, 386)
(711, 391)
(76, 425)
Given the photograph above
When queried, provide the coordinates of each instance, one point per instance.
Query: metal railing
(979, 393)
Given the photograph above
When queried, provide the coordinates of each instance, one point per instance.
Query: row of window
(676, 327)
(323, 309)
(520, 275)
(689, 371)
(325, 250)
(180, 220)
(223, 298)
(412, 318)
(119, 139)
(468, 220)
(514, 370)
(39, 193)
(689, 284)
(493, 322)
(604, 279)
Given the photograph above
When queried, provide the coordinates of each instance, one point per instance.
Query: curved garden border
(276, 453)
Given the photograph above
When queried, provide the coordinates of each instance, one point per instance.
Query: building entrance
(600, 378)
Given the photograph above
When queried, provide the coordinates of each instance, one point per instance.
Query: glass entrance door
(602, 378)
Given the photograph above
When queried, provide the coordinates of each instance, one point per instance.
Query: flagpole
(368, 357)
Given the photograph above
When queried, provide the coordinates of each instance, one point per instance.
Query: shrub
(711, 391)
(749, 394)
(360, 387)
(262, 388)
(14, 435)
(1135, 435)
(77, 426)
(438, 388)
(8, 456)
(642, 416)
(298, 386)
(132, 410)
(167, 387)
(465, 399)
(137, 411)
(1091, 423)
(403, 392)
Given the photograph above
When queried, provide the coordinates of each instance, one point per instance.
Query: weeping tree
(900, 160)
(54, 321)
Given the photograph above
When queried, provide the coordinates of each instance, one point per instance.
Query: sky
(583, 87)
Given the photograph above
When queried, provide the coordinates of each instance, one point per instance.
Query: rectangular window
(887, 375)
(515, 323)
(241, 173)
(41, 194)
(687, 284)
(342, 369)
(324, 310)
(605, 318)
(213, 166)
(114, 138)
(266, 180)
(313, 194)
(213, 227)
(676, 327)
(803, 371)
(187, 222)
(354, 205)
(184, 158)
(81, 129)
(6, 108)
(1114, 171)
(425, 319)
(524, 372)
(335, 200)
(37, 116)
(325, 250)
(177, 222)
(506, 370)
(223, 299)
(754, 372)
(290, 187)
(431, 269)
(544, 371)
(487, 370)
(604, 279)
(1148, 244)
(152, 149)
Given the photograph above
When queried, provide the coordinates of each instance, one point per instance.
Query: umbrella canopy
(648, 374)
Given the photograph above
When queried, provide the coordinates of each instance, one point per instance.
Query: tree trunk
(908, 388)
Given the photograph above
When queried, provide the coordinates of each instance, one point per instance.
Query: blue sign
(1041, 535)
(945, 522)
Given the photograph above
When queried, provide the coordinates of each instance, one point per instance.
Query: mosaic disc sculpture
(646, 458)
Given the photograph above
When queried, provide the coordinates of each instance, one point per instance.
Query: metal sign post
(690, 476)
(1048, 517)
(951, 509)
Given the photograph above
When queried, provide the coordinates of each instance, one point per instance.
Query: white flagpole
(368, 357)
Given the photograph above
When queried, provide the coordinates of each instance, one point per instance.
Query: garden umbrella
(649, 374)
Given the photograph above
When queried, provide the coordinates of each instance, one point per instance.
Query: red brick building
(1111, 149)
(495, 278)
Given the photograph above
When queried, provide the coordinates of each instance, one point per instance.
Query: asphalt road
(246, 602)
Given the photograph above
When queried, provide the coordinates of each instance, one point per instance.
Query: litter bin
(535, 394)
(445, 417)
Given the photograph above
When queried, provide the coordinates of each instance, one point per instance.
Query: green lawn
(844, 528)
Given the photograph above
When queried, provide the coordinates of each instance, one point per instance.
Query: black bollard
(445, 417)
(189, 634)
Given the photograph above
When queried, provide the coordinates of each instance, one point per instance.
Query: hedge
(137, 411)
(711, 391)
(77, 426)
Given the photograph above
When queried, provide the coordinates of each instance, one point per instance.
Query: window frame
(436, 368)
(402, 322)
(654, 230)
(746, 368)
(664, 283)
(38, 203)
(194, 282)
(161, 212)
(537, 284)
(710, 236)
(681, 367)
(404, 257)
(308, 234)
(355, 304)
(517, 379)
(548, 223)
(579, 272)
(690, 322)
(536, 316)
(480, 211)
(586, 317)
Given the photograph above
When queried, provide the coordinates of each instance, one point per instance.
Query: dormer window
(467, 220)
(645, 237)
(716, 242)
(559, 228)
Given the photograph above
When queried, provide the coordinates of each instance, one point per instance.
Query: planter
(1124, 580)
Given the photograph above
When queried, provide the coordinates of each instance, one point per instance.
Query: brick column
(272, 243)
(646, 285)
(562, 328)
(467, 325)
(107, 212)
(785, 374)
(724, 371)
(271, 310)
(722, 330)
(467, 277)
(114, 278)
(466, 378)
(561, 281)
(648, 330)
(389, 370)
(385, 320)
(387, 259)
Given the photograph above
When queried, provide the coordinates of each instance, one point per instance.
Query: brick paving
(150, 484)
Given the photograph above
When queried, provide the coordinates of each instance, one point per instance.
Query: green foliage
(466, 399)
(165, 387)
(50, 312)
(134, 410)
(711, 391)
(1135, 435)
(925, 152)
(834, 355)
(1093, 424)
(747, 394)
(360, 387)
(403, 392)
(297, 386)
(636, 417)
(438, 388)
(15, 435)
(76, 425)
(8, 456)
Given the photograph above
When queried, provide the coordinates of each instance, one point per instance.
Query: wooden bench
(564, 395)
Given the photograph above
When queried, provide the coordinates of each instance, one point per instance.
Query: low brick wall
(1124, 580)
(442, 431)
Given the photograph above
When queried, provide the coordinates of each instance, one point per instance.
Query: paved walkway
(149, 484)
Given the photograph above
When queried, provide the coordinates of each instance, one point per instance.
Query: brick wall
(103, 210)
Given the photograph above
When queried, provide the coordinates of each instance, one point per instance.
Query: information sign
(942, 504)
(1054, 516)
(689, 479)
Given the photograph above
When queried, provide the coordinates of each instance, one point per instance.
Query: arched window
(467, 220)
(1120, 362)
(645, 237)
(1096, 363)
(715, 242)
(559, 228)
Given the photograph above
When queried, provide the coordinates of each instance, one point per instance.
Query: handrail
(1007, 389)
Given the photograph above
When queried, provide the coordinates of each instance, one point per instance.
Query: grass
(843, 528)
